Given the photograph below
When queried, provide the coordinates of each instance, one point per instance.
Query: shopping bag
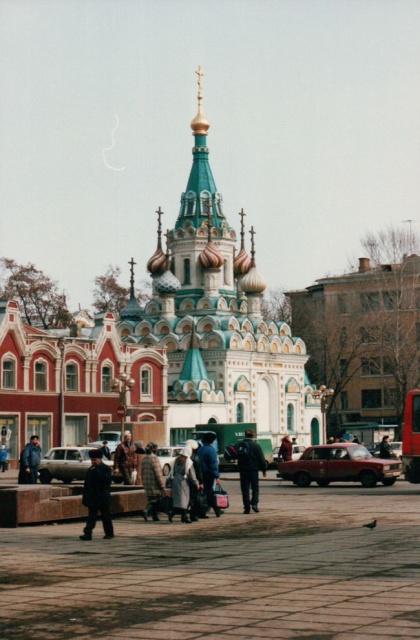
(220, 498)
(164, 503)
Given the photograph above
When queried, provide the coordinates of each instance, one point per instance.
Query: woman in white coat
(182, 475)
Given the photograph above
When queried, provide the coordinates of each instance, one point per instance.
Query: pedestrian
(151, 473)
(197, 510)
(356, 440)
(286, 449)
(331, 440)
(106, 453)
(385, 451)
(250, 464)
(210, 466)
(294, 441)
(97, 496)
(3, 458)
(29, 462)
(125, 461)
(140, 453)
(183, 477)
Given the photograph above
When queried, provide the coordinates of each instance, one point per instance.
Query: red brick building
(57, 385)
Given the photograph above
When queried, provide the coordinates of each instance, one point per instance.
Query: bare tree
(276, 305)
(41, 302)
(110, 295)
(394, 254)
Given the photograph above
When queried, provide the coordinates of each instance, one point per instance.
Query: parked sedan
(297, 450)
(167, 457)
(339, 463)
(66, 464)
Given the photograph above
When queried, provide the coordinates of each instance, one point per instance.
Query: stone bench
(35, 504)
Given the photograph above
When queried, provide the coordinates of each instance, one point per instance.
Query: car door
(316, 463)
(340, 466)
(74, 468)
(56, 464)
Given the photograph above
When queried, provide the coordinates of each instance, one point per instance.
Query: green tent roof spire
(201, 187)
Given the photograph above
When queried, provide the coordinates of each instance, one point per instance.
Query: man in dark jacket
(208, 457)
(29, 462)
(385, 450)
(125, 460)
(106, 453)
(97, 496)
(249, 464)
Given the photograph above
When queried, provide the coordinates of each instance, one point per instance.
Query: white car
(396, 449)
(298, 449)
(66, 464)
(167, 457)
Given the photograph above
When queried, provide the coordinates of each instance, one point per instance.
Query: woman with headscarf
(183, 476)
(286, 449)
(151, 473)
(196, 510)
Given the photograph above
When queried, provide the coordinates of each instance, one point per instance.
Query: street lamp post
(322, 394)
(122, 385)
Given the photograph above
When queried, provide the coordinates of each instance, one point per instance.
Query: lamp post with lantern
(322, 394)
(122, 385)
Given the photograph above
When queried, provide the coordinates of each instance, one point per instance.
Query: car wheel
(388, 482)
(166, 469)
(45, 476)
(368, 479)
(302, 479)
(323, 482)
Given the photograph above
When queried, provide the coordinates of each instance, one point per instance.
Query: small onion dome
(157, 263)
(168, 283)
(131, 311)
(242, 263)
(210, 257)
(252, 282)
(200, 125)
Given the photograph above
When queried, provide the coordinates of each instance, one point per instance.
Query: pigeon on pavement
(371, 525)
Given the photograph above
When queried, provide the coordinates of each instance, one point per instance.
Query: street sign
(121, 411)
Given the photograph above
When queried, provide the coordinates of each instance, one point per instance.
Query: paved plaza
(303, 568)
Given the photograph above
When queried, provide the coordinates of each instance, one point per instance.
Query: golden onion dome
(210, 257)
(157, 263)
(253, 282)
(242, 263)
(200, 125)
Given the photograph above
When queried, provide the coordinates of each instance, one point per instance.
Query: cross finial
(200, 74)
(132, 263)
(168, 252)
(159, 215)
(242, 215)
(252, 233)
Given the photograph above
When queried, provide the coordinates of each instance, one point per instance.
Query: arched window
(146, 383)
(240, 412)
(72, 377)
(9, 374)
(290, 417)
(187, 271)
(106, 379)
(40, 376)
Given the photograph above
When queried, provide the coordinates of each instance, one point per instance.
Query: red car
(339, 463)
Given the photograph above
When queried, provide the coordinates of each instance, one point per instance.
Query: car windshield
(111, 437)
(165, 453)
(359, 452)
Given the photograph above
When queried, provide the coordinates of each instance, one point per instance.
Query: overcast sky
(314, 108)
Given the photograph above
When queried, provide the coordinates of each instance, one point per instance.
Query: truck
(411, 437)
(230, 434)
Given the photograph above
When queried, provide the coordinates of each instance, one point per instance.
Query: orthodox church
(227, 363)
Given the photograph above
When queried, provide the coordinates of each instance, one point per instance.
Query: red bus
(411, 437)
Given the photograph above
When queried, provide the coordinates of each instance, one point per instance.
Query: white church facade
(227, 363)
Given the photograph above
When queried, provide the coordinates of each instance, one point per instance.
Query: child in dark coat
(97, 496)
